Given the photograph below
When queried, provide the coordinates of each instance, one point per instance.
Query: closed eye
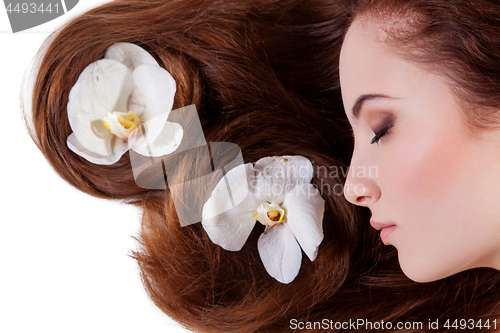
(386, 126)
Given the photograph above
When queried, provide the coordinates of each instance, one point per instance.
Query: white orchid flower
(122, 102)
(282, 198)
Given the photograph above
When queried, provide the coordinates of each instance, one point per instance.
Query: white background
(64, 255)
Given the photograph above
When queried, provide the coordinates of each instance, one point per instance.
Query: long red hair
(263, 75)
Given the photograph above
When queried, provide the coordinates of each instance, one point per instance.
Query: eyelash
(380, 133)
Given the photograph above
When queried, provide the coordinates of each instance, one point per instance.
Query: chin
(423, 271)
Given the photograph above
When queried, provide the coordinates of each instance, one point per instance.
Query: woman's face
(416, 164)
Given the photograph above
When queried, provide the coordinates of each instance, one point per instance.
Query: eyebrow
(356, 109)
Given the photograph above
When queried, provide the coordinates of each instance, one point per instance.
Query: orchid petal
(130, 55)
(136, 103)
(305, 208)
(280, 253)
(229, 215)
(119, 148)
(156, 89)
(167, 142)
(278, 175)
(103, 86)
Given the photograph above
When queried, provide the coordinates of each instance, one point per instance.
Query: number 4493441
(24, 8)
(470, 324)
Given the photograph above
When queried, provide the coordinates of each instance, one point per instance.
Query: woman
(421, 88)
(262, 75)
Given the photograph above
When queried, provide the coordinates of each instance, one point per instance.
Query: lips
(386, 229)
(380, 226)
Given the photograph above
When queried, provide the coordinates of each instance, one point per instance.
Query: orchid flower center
(121, 124)
(270, 214)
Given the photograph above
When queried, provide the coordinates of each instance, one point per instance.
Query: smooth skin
(431, 175)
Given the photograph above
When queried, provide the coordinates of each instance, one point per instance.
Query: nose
(361, 187)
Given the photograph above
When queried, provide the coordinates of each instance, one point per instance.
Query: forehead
(380, 37)
(368, 65)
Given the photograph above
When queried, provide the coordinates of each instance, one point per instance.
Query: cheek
(424, 171)
(426, 185)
